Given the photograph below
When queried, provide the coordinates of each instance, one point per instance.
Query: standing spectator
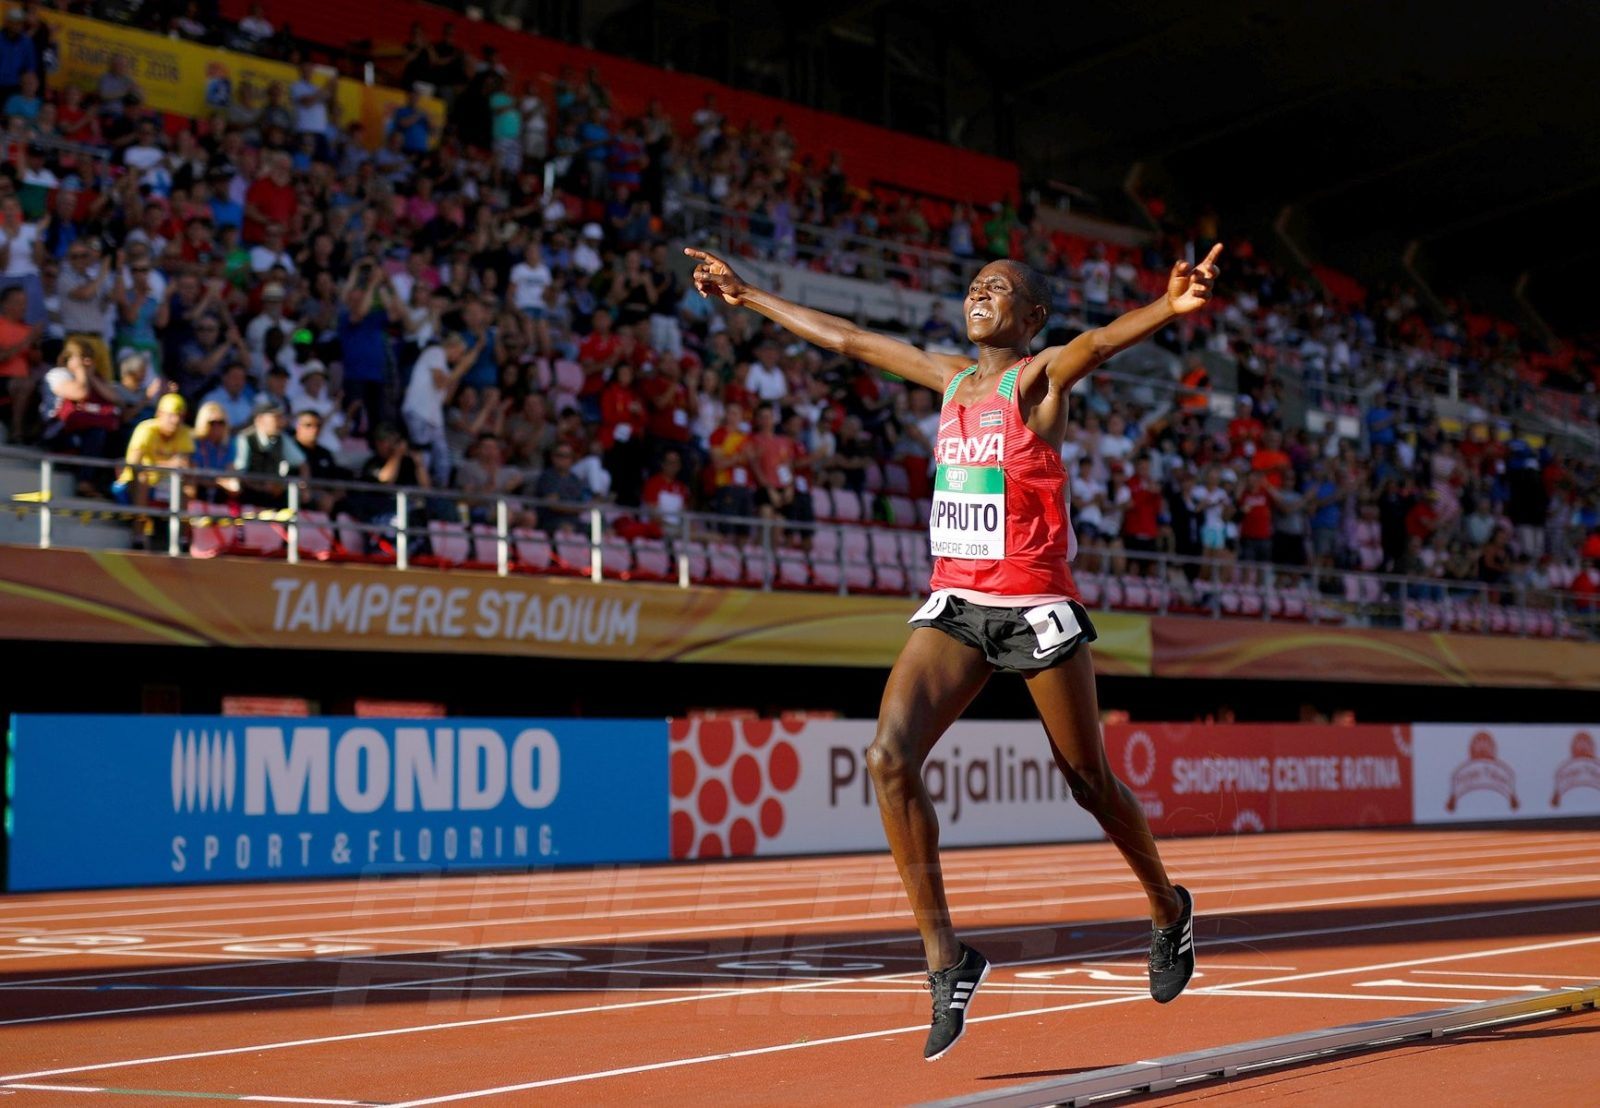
(141, 310)
(412, 124)
(772, 462)
(85, 291)
(1253, 506)
(730, 466)
(17, 53)
(270, 198)
(311, 102)
(19, 349)
(367, 303)
(1141, 520)
(1288, 524)
(234, 396)
(22, 251)
(535, 123)
(765, 380)
(1095, 273)
(434, 380)
(622, 427)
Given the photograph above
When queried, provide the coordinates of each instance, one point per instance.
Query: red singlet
(1000, 523)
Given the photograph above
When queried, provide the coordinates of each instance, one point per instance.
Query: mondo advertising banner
(758, 786)
(1205, 779)
(1492, 771)
(141, 800)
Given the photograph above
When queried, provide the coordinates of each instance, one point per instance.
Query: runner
(1003, 595)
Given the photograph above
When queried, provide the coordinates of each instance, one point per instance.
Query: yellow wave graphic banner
(116, 596)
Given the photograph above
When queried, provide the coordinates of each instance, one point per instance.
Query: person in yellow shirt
(162, 440)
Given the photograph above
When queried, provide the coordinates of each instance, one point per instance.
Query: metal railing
(872, 556)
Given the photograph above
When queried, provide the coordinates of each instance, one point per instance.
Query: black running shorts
(1016, 640)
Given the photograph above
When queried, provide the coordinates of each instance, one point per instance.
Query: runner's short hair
(1034, 285)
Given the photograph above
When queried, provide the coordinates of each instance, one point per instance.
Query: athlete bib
(969, 513)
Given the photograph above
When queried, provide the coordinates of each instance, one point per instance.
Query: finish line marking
(256, 1098)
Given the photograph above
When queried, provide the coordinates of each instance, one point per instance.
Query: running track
(785, 981)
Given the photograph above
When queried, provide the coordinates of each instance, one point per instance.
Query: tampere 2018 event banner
(143, 800)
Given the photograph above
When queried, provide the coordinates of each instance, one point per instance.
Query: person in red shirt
(599, 351)
(729, 474)
(1253, 508)
(1141, 519)
(1271, 460)
(1017, 612)
(772, 456)
(666, 406)
(270, 199)
(1423, 518)
(665, 496)
(622, 433)
(1245, 431)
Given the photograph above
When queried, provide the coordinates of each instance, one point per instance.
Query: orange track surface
(784, 981)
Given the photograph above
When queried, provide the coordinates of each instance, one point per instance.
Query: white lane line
(591, 1009)
(1469, 956)
(442, 895)
(1514, 976)
(360, 933)
(1100, 952)
(678, 1062)
(977, 859)
(1476, 987)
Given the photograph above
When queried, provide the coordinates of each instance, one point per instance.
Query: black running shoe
(1172, 953)
(952, 991)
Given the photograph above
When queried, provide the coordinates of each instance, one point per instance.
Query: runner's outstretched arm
(1188, 289)
(713, 275)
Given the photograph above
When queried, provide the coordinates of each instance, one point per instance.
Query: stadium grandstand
(284, 257)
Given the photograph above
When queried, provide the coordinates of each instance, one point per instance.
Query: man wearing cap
(264, 449)
(270, 319)
(161, 440)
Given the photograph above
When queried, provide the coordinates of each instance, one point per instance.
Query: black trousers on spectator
(625, 462)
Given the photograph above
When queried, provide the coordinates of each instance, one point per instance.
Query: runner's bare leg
(932, 682)
(1070, 711)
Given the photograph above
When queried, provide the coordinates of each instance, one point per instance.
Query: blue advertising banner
(140, 800)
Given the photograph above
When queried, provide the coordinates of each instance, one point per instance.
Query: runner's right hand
(713, 275)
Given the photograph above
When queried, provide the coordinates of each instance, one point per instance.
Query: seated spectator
(559, 483)
(665, 497)
(213, 449)
(234, 396)
(163, 440)
(25, 103)
(270, 456)
(79, 406)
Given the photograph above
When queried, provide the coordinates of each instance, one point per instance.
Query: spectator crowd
(488, 302)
